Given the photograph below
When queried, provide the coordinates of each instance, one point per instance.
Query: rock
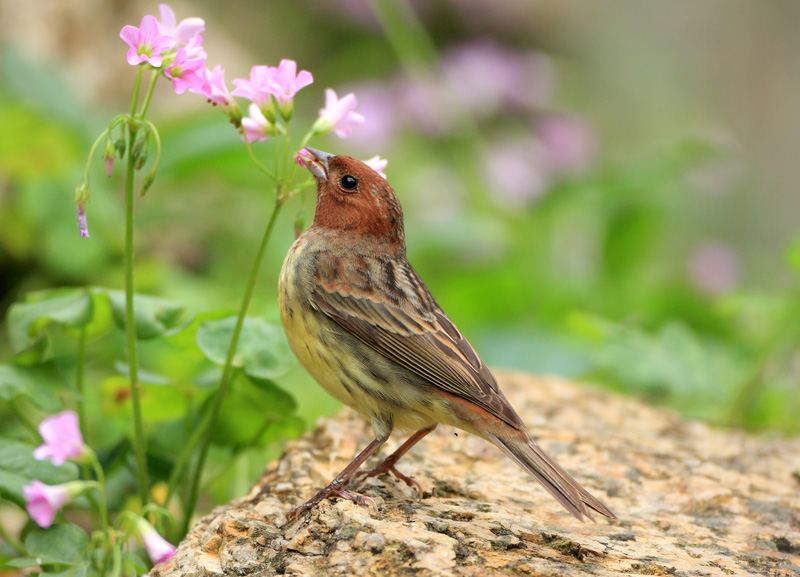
(691, 501)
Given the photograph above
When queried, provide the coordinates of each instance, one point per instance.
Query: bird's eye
(349, 182)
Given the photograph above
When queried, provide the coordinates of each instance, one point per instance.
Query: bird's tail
(531, 457)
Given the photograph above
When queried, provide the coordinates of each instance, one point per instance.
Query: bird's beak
(315, 161)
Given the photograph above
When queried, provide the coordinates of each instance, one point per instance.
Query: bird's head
(352, 198)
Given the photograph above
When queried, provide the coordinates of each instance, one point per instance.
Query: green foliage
(18, 468)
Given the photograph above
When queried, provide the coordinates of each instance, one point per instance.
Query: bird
(362, 322)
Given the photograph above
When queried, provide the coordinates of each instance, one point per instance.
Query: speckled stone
(691, 501)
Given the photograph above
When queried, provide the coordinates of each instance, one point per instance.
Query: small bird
(361, 321)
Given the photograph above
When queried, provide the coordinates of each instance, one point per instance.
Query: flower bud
(109, 152)
(148, 182)
(82, 192)
(120, 145)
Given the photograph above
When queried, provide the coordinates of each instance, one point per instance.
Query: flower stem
(228, 369)
(101, 495)
(79, 382)
(149, 95)
(130, 320)
(257, 162)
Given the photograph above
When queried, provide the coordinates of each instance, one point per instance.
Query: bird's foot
(388, 467)
(332, 490)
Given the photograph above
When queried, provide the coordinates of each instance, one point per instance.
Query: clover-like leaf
(152, 315)
(68, 307)
(262, 350)
(62, 543)
(39, 384)
(18, 468)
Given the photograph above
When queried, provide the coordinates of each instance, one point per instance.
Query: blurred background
(602, 190)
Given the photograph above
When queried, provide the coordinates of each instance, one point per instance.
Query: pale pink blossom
(568, 144)
(183, 33)
(43, 501)
(377, 164)
(61, 433)
(285, 82)
(714, 268)
(147, 45)
(158, 548)
(338, 115)
(256, 89)
(184, 72)
(256, 126)
(216, 91)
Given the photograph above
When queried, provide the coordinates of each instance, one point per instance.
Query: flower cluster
(63, 442)
(177, 49)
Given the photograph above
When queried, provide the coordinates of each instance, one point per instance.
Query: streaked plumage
(363, 323)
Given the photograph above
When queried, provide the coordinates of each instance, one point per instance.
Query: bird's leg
(388, 465)
(336, 487)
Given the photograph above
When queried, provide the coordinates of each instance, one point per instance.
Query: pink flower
(62, 436)
(44, 501)
(215, 90)
(158, 548)
(256, 126)
(285, 82)
(714, 268)
(184, 72)
(257, 88)
(377, 164)
(146, 43)
(184, 32)
(338, 115)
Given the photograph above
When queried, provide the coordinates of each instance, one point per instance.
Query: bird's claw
(385, 468)
(327, 493)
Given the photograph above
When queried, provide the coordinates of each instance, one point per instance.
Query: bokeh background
(602, 190)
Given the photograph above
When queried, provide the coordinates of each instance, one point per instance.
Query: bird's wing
(391, 310)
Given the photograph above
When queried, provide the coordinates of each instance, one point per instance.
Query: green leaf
(153, 315)
(40, 384)
(62, 543)
(256, 412)
(262, 351)
(18, 468)
(81, 570)
(69, 307)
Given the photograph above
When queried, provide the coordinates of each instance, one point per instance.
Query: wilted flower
(147, 45)
(338, 115)
(158, 548)
(62, 437)
(43, 501)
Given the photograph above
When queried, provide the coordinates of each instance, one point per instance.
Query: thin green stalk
(253, 157)
(183, 460)
(150, 87)
(101, 495)
(79, 383)
(130, 319)
(228, 369)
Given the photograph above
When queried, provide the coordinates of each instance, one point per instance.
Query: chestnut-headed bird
(362, 322)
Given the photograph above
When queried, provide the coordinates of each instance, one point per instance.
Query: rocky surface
(690, 501)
